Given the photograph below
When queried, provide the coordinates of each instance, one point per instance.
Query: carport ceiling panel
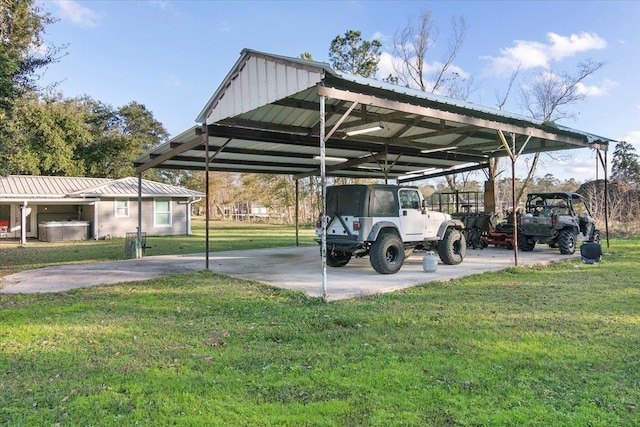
(282, 117)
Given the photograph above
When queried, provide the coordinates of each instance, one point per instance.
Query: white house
(75, 208)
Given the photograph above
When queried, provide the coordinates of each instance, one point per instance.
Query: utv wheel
(338, 259)
(453, 247)
(387, 254)
(596, 236)
(526, 244)
(567, 242)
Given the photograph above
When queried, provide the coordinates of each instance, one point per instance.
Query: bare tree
(547, 97)
(501, 100)
(412, 45)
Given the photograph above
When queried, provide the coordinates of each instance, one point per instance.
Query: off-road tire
(453, 247)
(567, 242)
(387, 254)
(596, 236)
(525, 243)
(338, 259)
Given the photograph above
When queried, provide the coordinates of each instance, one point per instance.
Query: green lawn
(524, 347)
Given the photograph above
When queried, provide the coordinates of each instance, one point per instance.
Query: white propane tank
(430, 262)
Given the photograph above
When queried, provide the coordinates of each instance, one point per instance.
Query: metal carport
(281, 115)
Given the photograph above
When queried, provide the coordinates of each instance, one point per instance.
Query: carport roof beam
(449, 116)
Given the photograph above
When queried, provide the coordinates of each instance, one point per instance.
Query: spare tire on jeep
(453, 247)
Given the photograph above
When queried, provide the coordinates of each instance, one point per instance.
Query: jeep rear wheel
(567, 242)
(387, 254)
(338, 259)
(453, 247)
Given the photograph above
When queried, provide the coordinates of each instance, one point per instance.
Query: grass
(526, 346)
(223, 236)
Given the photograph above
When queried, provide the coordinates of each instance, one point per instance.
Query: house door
(30, 220)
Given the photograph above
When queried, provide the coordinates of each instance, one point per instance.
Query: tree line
(44, 133)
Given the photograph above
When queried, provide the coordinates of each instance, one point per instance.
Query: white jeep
(386, 222)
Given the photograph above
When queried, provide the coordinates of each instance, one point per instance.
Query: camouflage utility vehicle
(560, 220)
(388, 223)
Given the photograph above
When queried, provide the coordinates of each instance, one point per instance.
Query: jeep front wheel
(567, 242)
(338, 259)
(387, 254)
(453, 247)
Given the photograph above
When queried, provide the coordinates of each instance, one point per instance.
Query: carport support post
(205, 140)
(606, 193)
(323, 184)
(513, 198)
(23, 223)
(297, 210)
(139, 236)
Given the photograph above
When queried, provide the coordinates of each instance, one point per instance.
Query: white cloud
(596, 90)
(380, 37)
(532, 54)
(385, 65)
(632, 137)
(77, 13)
(579, 165)
(562, 47)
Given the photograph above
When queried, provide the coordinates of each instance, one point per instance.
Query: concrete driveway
(297, 268)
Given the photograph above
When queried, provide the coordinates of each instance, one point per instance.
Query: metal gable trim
(233, 97)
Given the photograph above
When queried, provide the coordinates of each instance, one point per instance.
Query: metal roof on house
(129, 186)
(265, 117)
(30, 187)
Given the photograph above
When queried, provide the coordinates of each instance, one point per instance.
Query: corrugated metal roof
(58, 187)
(265, 115)
(45, 186)
(129, 186)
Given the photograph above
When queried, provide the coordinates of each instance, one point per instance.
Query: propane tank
(430, 262)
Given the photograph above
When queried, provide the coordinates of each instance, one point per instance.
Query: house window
(162, 212)
(122, 208)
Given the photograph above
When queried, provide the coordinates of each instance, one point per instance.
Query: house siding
(118, 227)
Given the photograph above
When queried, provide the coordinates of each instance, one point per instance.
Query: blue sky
(172, 55)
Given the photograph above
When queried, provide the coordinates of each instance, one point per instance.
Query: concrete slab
(297, 268)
